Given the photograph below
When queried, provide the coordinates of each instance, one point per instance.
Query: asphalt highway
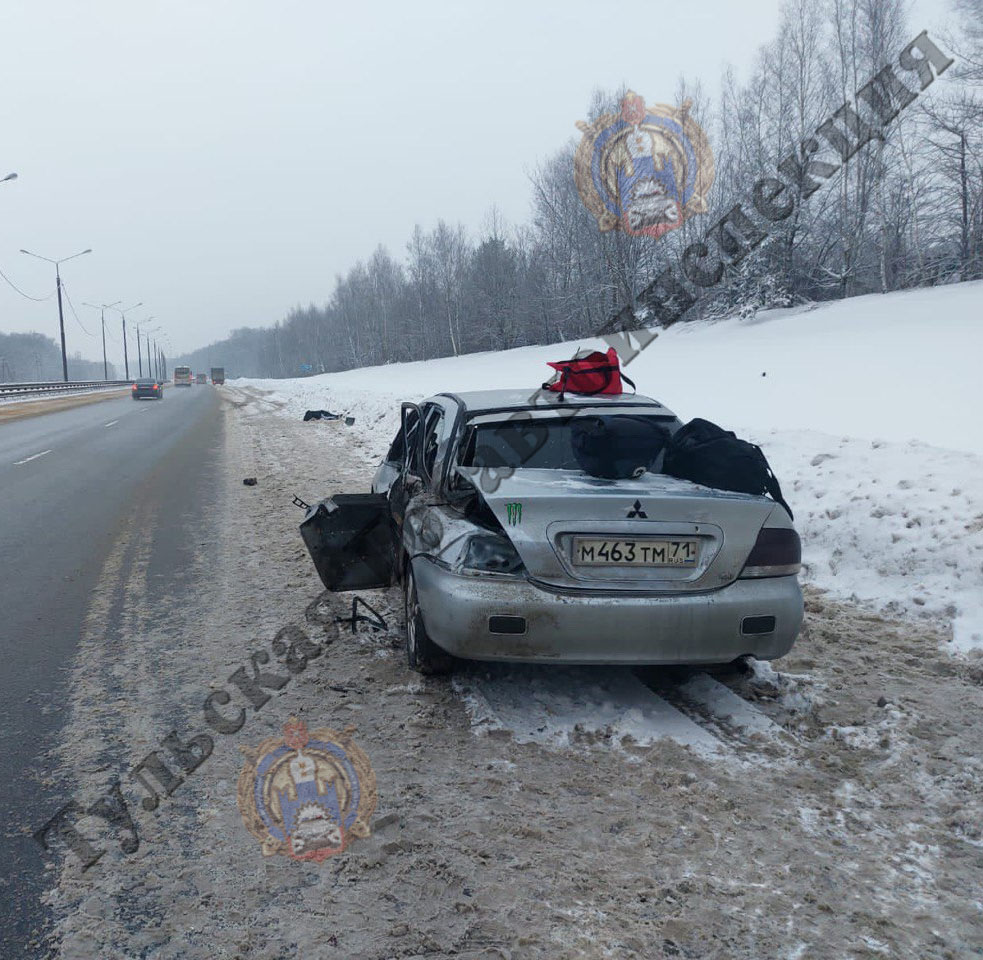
(68, 482)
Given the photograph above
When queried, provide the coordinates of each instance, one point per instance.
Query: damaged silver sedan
(507, 549)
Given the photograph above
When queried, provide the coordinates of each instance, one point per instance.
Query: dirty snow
(868, 410)
(862, 836)
(554, 706)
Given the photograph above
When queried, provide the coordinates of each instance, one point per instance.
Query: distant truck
(218, 374)
(182, 376)
(200, 378)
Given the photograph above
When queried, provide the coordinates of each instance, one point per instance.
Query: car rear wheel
(422, 654)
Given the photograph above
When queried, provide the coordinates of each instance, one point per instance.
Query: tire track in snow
(559, 707)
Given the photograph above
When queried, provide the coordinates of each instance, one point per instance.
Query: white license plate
(637, 552)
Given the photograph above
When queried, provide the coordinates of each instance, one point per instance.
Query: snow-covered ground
(869, 410)
(826, 806)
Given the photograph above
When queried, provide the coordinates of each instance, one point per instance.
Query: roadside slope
(868, 410)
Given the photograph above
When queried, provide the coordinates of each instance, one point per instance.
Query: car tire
(422, 654)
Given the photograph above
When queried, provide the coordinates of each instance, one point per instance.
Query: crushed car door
(420, 495)
(352, 537)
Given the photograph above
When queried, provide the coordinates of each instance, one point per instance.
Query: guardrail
(12, 390)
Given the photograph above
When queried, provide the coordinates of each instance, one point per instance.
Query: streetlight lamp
(10, 176)
(123, 313)
(61, 314)
(102, 308)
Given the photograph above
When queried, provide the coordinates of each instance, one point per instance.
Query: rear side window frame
(433, 416)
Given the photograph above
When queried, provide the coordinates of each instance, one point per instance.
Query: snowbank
(869, 410)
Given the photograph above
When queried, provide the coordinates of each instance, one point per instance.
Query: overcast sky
(225, 160)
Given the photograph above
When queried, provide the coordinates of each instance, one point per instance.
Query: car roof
(480, 402)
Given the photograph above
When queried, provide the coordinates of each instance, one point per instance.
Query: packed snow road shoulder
(827, 805)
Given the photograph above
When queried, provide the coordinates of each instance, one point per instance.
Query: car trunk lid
(546, 513)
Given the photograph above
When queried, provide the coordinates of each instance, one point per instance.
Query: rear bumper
(605, 628)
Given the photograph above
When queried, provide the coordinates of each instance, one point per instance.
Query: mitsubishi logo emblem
(637, 511)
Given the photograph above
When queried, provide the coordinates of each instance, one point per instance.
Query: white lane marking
(111, 422)
(17, 463)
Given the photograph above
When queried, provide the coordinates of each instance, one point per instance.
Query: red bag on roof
(597, 373)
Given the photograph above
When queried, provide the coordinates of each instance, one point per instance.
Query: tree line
(905, 211)
(27, 357)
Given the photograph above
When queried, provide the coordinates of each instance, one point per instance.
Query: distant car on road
(182, 376)
(507, 549)
(147, 389)
(201, 378)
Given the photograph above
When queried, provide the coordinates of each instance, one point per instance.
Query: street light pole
(156, 331)
(126, 356)
(163, 357)
(143, 322)
(61, 313)
(102, 308)
(61, 326)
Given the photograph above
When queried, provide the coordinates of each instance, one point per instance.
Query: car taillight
(490, 553)
(134, 386)
(776, 553)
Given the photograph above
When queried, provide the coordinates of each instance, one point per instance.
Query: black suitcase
(713, 457)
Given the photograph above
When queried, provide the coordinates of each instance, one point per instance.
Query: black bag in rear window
(704, 453)
(616, 447)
